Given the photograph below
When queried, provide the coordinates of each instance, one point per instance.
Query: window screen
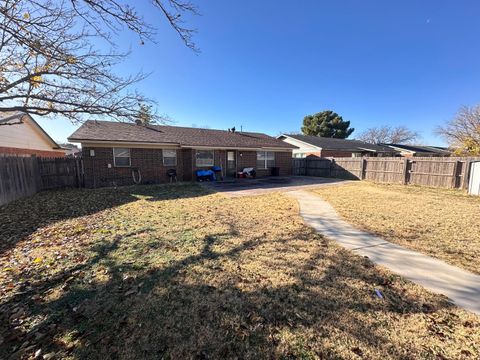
(121, 157)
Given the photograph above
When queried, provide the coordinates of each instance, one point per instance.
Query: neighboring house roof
(420, 149)
(69, 146)
(325, 143)
(94, 131)
(18, 118)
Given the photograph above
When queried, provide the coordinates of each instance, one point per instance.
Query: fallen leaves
(442, 223)
(162, 271)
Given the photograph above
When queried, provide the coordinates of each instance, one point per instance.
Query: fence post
(38, 174)
(405, 171)
(77, 173)
(466, 174)
(306, 166)
(455, 174)
(332, 165)
(362, 169)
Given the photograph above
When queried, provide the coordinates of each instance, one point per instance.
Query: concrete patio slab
(250, 187)
(461, 286)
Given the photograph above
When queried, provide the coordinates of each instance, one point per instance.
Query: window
(169, 157)
(121, 157)
(356, 154)
(265, 159)
(204, 158)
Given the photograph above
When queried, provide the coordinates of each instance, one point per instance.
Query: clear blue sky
(266, 64)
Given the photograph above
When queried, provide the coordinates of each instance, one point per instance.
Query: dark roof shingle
(422, 148)
(340, 144)
(183, 136)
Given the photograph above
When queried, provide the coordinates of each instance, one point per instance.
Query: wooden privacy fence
(24, 176)
(446, 172)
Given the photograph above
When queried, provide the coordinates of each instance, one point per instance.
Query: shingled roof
(421, 149)
(340, 144)
(97, 131)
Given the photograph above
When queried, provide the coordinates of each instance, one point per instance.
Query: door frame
(227, 174)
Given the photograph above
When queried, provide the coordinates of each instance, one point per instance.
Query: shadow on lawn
(21, 218)
(167, 313)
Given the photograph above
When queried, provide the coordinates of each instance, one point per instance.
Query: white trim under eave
(303, 142)
(371, 150)
(401, 150)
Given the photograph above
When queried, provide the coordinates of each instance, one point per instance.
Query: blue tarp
(205, 175)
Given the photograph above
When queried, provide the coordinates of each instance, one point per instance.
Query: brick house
(114, 153)
(21, 135)
(329, 147)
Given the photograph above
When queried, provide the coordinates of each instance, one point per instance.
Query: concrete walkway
(461, 286)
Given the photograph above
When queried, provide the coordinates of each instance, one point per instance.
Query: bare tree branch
(49, 66)
(463, 131)
(389, 135)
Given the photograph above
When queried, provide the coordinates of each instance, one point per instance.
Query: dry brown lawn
(442, 223)
(173, 272)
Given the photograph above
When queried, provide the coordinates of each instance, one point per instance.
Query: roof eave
(303, 142)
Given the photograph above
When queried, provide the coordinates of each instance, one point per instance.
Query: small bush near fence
(23, 176)
(445, 172)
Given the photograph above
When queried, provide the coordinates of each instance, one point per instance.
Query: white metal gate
(474, 183)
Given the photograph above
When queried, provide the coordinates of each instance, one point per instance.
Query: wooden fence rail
(23, 176)
(445, 172)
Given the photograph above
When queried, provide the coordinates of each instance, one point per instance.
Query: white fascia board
(303, 142)
(367, 149)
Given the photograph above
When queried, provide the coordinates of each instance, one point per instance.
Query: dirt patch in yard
(177, 272)
(442, 223)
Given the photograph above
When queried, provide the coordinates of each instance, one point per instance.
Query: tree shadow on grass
(213, 304)
(23, 217)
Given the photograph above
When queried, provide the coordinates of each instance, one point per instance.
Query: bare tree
(389, 135)
(48, 64)
(463, 131)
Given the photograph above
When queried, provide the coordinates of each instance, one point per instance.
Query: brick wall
(283, 160)
(334, 153)
(187, 157)
(150, 164)
(39, 153)
(315, 153)
(148, 161)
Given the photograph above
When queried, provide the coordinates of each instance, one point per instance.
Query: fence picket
(24, 176)
(446, 172)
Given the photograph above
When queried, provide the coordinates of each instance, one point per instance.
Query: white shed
(474, 183)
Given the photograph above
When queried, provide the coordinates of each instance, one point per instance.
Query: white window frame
(115, 157)
(265, 161)
(205, 165)
(169, 157)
